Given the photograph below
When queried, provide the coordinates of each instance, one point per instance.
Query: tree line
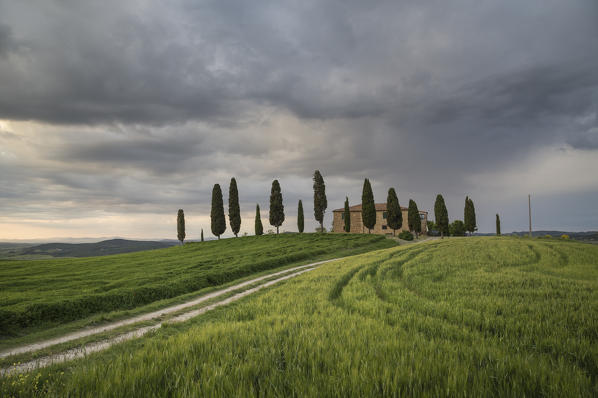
(457, 227)
(276, 213)
(394, 214)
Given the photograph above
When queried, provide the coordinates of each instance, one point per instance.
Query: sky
(113, 115)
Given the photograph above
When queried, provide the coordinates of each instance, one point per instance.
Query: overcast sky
(113, 115)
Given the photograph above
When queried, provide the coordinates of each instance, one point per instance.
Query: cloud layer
(119, 110)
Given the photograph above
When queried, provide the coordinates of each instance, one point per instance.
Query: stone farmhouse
(381, 227)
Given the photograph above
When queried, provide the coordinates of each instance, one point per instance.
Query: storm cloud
(115, 108)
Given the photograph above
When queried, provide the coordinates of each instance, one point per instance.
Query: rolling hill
(103, 248)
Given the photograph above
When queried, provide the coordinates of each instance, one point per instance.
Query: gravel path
(104, 344)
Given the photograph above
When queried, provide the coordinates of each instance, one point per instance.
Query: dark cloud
(7, 42)
(543, 92)
(160, 64)
(586, 129)
(585, 140)
(143, 106)
(164, 154)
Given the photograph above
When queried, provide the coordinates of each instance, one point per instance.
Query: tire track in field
(536, 253)
(390, 265)
(562, 256)
(104, 344)
(337, 290)
(381, 294)
(370, 269)
(396, 270)
(379, 269)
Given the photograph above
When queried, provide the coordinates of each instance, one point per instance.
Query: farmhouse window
(384, 227)
(384, 215)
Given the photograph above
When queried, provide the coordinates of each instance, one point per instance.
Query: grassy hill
(460, 317)
(49, 292)
(103, 248)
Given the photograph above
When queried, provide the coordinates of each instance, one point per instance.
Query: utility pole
(529, 208)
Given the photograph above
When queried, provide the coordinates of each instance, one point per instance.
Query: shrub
(564, 236)
(548, 236)
(457, 228)
(406, 235)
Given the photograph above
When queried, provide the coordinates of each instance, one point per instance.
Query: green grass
(77, 343)
(458, 317)
(46, 293)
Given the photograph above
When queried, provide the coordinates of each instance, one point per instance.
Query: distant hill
(587, 236)
(103, 248)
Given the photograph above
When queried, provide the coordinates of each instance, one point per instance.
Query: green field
(45, 293)
(458, 317)
(16, 251)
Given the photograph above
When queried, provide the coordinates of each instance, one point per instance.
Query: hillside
(587, 236)
(457, 317)
(51, 292)
(103, 248)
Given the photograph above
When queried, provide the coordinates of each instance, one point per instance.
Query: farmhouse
(381, 227)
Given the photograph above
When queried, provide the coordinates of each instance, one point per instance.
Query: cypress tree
(300, 220)
(320, 202)
(180, 225)
(394, 215)
(474, 225)
(276, 206)
(259, 228)
(469, 216)
(415, 223)
(497, 225)
(347, 216)
(202, 234)
(368, 206)
(441, 216)
(217, 213)
(234, 212)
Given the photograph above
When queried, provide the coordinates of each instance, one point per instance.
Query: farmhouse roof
(379, 207)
